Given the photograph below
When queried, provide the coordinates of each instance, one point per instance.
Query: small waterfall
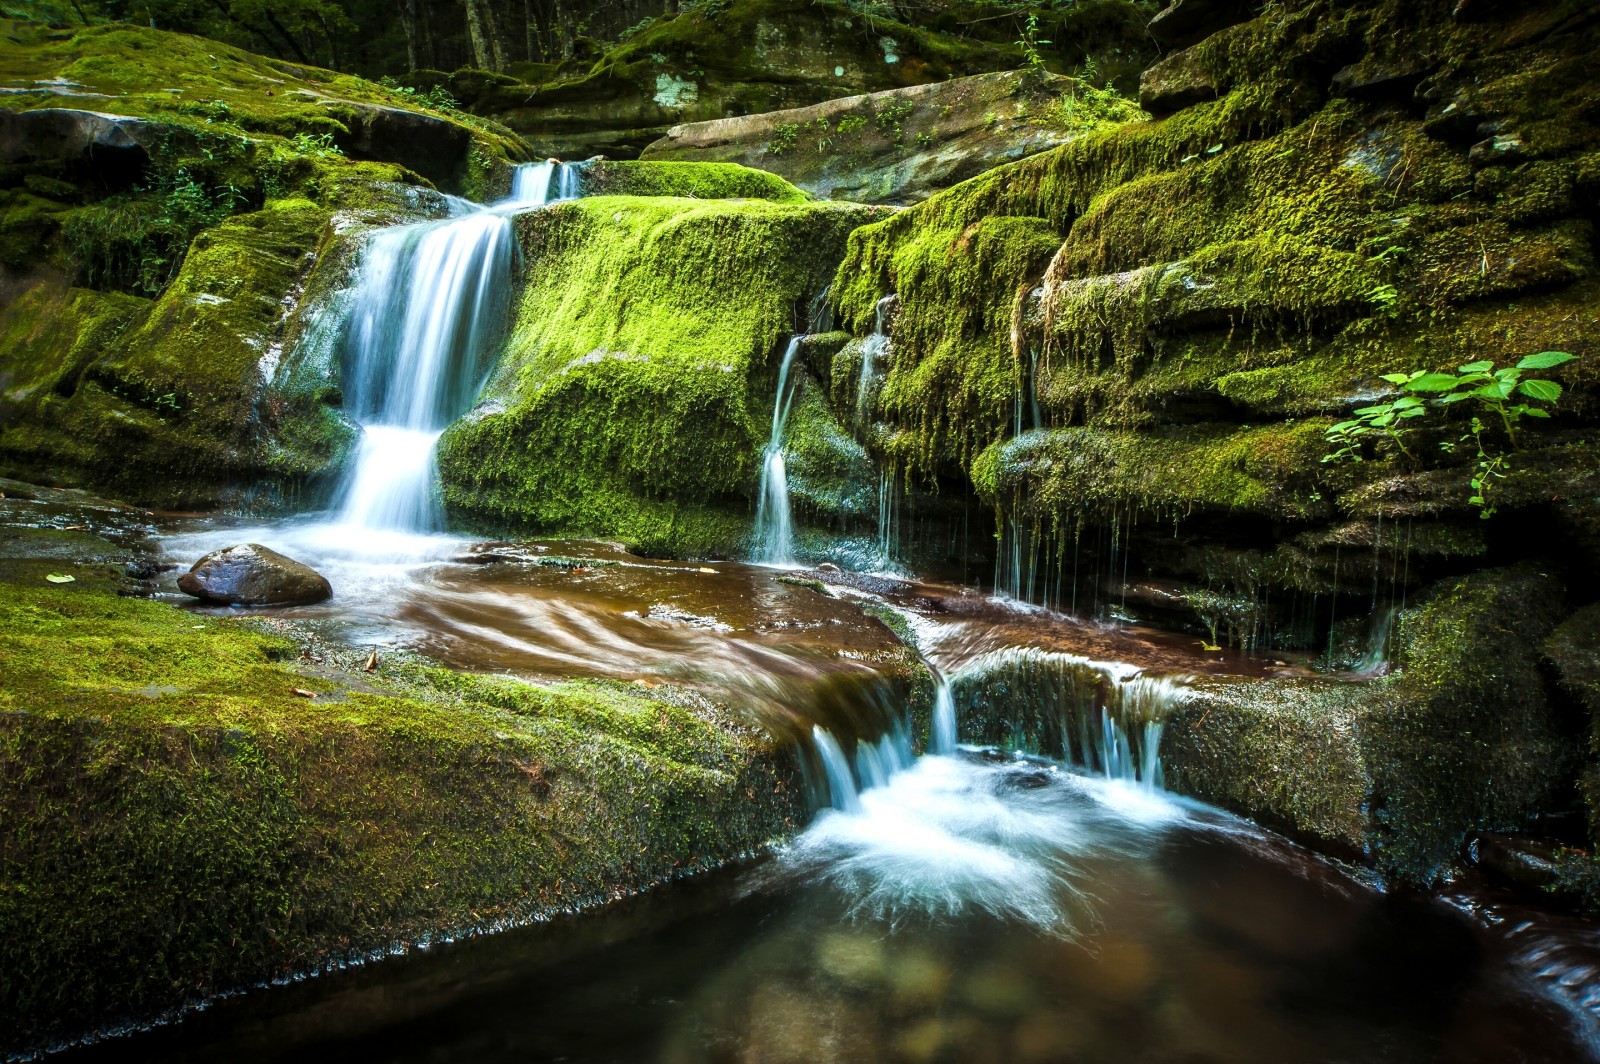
(872, 349)
(842, 787)
(1104, 716)
(942, 739)
(551, 181)
(774, 515)
(430, 303)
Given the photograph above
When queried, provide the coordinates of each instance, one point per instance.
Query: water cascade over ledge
(430, 303)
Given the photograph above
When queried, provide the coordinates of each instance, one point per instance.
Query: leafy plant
(783, 138)
(317, 146)
(1504, 393)
(1029, 44)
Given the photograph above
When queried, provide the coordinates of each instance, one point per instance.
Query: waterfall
(872, 348)
(532, 184)
(942, 739)
(429, 305)
(1106, 717)
(774, 517)
(836, 767)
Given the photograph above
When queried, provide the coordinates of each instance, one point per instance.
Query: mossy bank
(192, 806)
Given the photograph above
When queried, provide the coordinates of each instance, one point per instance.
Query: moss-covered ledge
(1394, 772)
(635, 391)
(181, 818)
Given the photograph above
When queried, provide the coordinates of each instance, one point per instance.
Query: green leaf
(1433, 382)
(57, 578)
(1497, 392)
(1544, 391)
(1416, 411)
(1405, 402)
(1396, 378)
(1455, 397)
(1534, 411)
(1545, 360)
(1476, 367)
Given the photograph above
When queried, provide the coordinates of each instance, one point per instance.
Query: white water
(429, 307)
(942, 740)
(872, 349)
(774, 532)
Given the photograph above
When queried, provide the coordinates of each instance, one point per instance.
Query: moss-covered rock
(901, 145)
(191, 806)
(635, 392)
(1396, 771)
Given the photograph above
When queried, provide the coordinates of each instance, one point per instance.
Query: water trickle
(429, 305)
(942, 740)
(842, 790)
(547, 182)
(774, 515)
(873, 348)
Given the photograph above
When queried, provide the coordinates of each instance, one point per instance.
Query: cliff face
(163, 201)
(1156, 324)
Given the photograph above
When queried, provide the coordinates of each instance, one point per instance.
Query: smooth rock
(59, 134)
(1185, 22)
(1178, 81)
(252, 575)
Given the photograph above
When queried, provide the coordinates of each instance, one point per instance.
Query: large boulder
(249, 574)
(902, 145)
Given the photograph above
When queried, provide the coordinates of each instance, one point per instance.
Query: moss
(689, 180)
(634, 393)
(180, 822)
(1395, 771)
(157, 400)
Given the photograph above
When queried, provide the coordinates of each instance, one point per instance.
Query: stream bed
(978, 905)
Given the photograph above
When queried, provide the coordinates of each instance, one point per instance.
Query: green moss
(1395, 771)
(689, 180)
(634, 393)
(181, 822)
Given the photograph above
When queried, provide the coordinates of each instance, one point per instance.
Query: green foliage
(783, 138)
(436, 97)
(1502, 392)
(317, 146)
(1028, 44)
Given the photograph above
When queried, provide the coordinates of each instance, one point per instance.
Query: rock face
(252, 575)
(59, 134)
(902, 145)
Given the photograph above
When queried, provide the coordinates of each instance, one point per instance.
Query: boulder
(252, 575)
(900, 146)
(60, 134)
(433, 147)
(1178, 81)
(1185, 22)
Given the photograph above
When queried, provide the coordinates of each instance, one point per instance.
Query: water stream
(774, 531)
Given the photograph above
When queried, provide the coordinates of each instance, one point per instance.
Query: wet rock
(1379, 76)
(58, 134)
(919, 979)
(252, 575)
(1528, 864)
(1178, 81)
(855, 960)
(1498, 150)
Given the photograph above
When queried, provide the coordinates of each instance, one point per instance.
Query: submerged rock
(249, 574)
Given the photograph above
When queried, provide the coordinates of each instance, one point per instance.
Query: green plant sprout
(1503, 392)
(1029, 43)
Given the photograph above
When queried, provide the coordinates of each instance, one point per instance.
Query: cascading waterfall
(429, 305)
(774, 516)
(551, 181)
(1105, 716)
(942, 738)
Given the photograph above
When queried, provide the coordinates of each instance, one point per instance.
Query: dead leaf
(372, 663)
(302, 692)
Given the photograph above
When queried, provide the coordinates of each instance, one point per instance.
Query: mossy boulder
(181, 820)
(1394, 772)
(902, 145)
(634, 394)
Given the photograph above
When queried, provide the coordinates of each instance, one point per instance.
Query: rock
(1178, 81)
(114, 147)
(1185, 22)
(1378, 76)
(1528, 864)
(1393, 772)
(434, 147)
(252, 575)
(1498, 150)
(900, 145)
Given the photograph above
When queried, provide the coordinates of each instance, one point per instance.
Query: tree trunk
(408, 19)
(475, 33)
(497, 38)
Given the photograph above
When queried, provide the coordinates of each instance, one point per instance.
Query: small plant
(783, 139)
(318, 146)
(1504, 392)
(1029, 44)
(851, 124)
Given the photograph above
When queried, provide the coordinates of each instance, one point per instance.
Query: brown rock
(252, 575)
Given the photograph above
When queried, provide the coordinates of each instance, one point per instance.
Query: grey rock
(59, 134)
(1178, 81)
(1185, 22)
(1499, 150)
(249, 574)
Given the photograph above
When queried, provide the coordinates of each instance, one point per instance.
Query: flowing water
(1040, 899)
